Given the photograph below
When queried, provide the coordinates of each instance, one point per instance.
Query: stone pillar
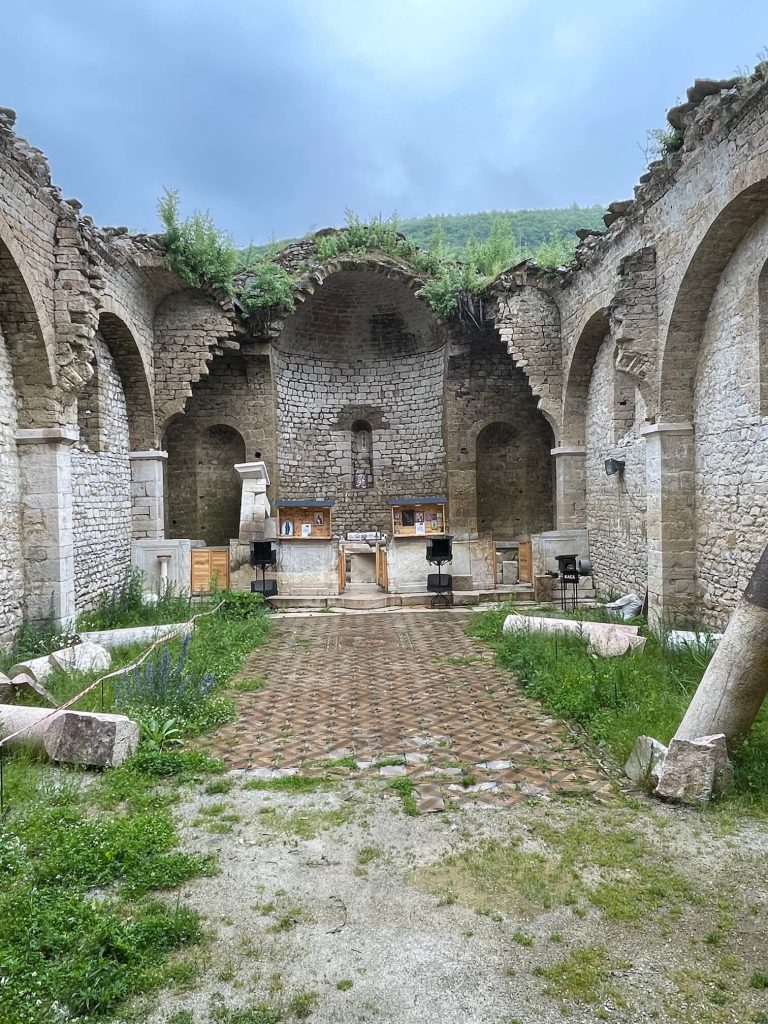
(254, 504)
(570, 488)
(670, 523)
(45, 463)
(147, 505)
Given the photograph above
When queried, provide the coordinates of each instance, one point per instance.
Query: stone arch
(131, 369)
(29, 336)
(694, 298)
(203, 488)
(513, 478)
(592, 335)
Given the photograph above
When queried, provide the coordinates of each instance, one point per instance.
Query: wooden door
(209, 568)
(382, 577)
(525, 561)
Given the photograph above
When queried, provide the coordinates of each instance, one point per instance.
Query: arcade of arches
(127, 398)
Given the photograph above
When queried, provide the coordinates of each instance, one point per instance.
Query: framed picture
(319, 521)
(408, 517)
(421, 529)
(306, 529)
(419, 517)
(286, 530)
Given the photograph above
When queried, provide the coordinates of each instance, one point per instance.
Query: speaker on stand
(264, 556)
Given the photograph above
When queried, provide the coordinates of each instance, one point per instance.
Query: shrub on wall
(201, 254)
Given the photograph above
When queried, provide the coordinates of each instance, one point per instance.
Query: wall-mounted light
(614, 466)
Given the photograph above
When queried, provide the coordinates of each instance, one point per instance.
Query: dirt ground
(337, 906)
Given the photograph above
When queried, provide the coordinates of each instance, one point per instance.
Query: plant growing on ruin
(662, 142)
(201, 254)
(268, 284)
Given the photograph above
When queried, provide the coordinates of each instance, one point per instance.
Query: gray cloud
(278, 115)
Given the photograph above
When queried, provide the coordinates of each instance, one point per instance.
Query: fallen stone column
(735, 683)
(86, 738)
(606, 638)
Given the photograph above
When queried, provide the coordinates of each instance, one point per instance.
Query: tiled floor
(410, 687)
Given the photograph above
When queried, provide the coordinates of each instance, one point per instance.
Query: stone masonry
(125, 395)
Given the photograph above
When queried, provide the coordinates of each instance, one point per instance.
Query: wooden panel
(209, 565)
(407, 518)
(301, 518)
(525, 561)
(382, 575)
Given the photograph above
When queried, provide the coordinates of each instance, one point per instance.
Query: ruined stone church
(617, 407)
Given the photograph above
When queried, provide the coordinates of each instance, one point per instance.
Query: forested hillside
(529, 227)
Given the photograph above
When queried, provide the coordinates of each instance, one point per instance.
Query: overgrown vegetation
(80, 928)
(456, 263)
(126, 605)
(618, 699)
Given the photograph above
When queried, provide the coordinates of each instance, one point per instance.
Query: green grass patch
(618, 699)
(249, 685)
(585, 976)
(293, 783)
(404, 788)
(305, 824)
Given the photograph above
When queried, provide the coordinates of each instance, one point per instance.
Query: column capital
(47, 435)
(666, 428)
(151, 454)
(568, 450)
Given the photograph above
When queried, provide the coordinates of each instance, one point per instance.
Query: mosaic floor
(410, 690)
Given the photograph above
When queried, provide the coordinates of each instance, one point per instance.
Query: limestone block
(6, 689)
(83, 657)
(695, 770)
(509, 574)
(645, 761)
(25, 686)
(37, 669)
(86, 738)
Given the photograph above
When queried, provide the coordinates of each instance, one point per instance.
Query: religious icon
(318, 518)
(408, 519)
(286, 529)
(419, 517)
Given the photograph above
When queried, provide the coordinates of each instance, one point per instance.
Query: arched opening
(762, 341)
(514, 479)
(593, 335)
(362, 455)
(129, 367)
(203, 488)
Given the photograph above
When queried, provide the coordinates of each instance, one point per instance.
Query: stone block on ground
(36, 668)
(428, 798)
(83, 657)
(7, 691)
(90, 739)
(24, 687)
(645, 761)
(695, 770)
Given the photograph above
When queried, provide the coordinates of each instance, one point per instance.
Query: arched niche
(362, 455)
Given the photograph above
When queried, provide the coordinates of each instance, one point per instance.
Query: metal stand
(266, 590)
(442, 587)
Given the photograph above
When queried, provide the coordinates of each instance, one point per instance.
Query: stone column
(570, 488)
(45, 462)
(147, 505)
(670, 523)
(254, 504)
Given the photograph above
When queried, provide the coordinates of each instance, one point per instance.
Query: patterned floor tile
(397, 686)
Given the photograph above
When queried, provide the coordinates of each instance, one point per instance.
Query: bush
(240, 604)
(268, 285)
(126, 605)
(199, 252)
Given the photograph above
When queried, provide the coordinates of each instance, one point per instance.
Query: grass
(585, 976)
(609, 865)
(82, 857)
(292, 784)
(306, 824)
(618, 699)
(404, 788)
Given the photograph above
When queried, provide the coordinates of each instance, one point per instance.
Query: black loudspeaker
(267, 588)
(263, 554)
(566, 563)
(440, 549)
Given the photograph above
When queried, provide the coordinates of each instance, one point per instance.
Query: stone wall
(11, 565)
(731, 434)
(101, 485)
(361, 349)
(616, 505)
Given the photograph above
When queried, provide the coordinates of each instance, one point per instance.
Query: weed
(366, 854)
(303, 824)
(218, 786)
(181, 1017)
(344, 985)
(522, 939)
(404, 788)
(249, 685)
(584, 976)
(292, 783)
(341, 762)
(759, 980)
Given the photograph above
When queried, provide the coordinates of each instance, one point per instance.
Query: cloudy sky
(276, 115)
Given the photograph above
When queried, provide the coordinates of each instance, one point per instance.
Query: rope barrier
(184, 627)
